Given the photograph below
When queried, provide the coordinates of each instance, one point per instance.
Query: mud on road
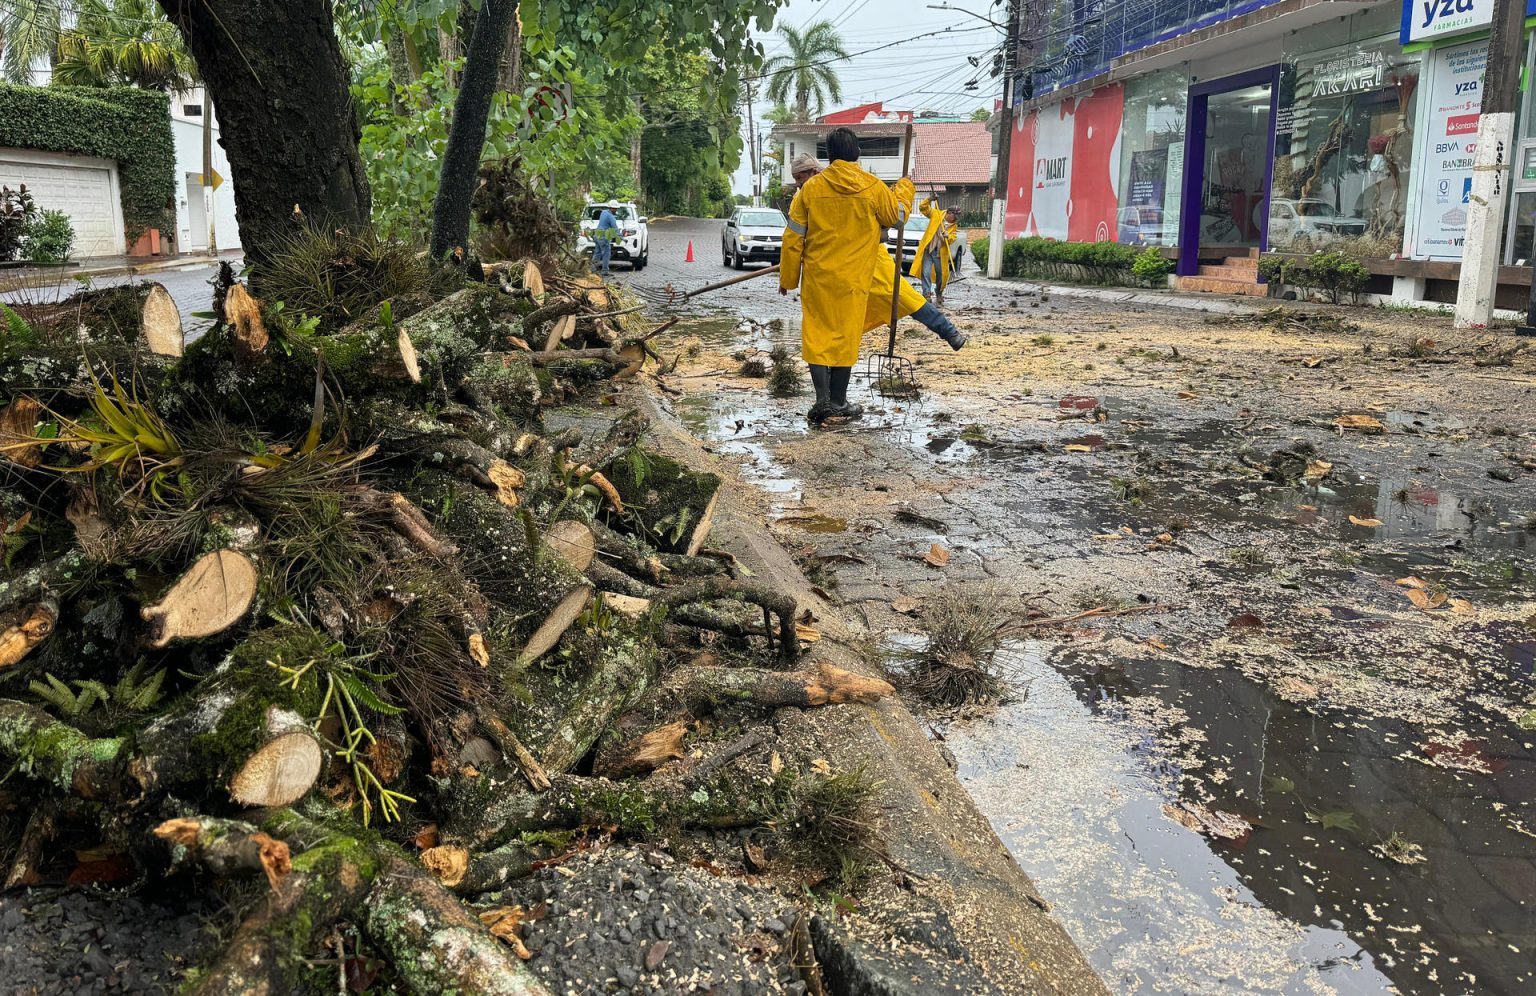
(1304, 763)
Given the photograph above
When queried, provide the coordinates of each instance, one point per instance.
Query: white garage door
(84, 189)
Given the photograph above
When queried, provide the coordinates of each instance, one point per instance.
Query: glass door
(1232, 203)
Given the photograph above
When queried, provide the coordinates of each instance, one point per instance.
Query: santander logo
(1461, 124)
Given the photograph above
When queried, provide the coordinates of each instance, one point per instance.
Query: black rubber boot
(841, 406)
(939, 324)
(821, 379)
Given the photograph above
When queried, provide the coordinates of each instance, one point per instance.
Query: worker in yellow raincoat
(834, 250)
(936, 249)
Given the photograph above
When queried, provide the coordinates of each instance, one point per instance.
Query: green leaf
(1527, 720)
(1280, 783)
(363, 692)
(1338, 819)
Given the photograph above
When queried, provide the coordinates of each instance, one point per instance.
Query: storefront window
(1152, 159)
(1344, 150)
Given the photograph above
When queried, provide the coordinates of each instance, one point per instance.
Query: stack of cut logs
(279, 583)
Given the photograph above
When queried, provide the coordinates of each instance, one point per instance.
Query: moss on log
(60, 755)
(673, 506)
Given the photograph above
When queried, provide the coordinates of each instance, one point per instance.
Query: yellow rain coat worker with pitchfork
(833, 248)
(935, 250)
(834, 251)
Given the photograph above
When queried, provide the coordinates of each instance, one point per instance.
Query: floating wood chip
(18, 429)
(478, 652)
(242, 313)
(1367, 523)
(1316, 471)
(163, 333)
(408, 356)
(24, 629)
(1367, 424)
(508, 479)
(572, 542)
(1210, 822)
(212, 596)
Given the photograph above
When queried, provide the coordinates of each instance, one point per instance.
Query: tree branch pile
(311, 587)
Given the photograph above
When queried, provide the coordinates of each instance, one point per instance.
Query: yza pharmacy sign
(1426, 20)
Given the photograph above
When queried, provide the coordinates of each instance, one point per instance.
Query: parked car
(634, 243)
(1140, 225)
(1310, 217)
(750, 235)
(916, 226)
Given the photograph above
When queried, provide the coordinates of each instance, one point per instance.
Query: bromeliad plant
(349, 689)
(127, 436)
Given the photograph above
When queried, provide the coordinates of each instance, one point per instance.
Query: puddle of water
(815, 523)
(1459, 922)
(1150, 903)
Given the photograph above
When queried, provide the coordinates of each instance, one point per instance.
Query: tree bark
(281, 89)
(466, 137)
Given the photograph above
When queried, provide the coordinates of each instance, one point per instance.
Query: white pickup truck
(634, 242)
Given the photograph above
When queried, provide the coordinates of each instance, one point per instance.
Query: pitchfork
(670, 295)
(894, 376)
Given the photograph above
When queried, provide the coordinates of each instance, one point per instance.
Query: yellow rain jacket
(879, 311)
(939, 229)
(831, 247)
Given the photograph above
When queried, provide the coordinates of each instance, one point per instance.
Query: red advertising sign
(1064, 169)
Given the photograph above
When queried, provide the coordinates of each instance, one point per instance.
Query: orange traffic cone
(689, 257)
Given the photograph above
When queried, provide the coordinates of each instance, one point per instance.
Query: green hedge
(130, 125)
(1048, 259)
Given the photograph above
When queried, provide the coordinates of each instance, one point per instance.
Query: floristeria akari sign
(1426, 20)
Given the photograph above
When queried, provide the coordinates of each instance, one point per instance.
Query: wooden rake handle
(677, 297)
(901, 239)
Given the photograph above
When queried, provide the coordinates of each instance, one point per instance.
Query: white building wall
(191, 227)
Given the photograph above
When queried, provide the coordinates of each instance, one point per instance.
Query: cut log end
(556, 623)
(26, 628)
(701, 530)
(646, 752)
(211, 596)
(408, 357)
(242, 313)
(447, 863)
(18, 427)
(508, 479)
(161, 321)
(573, 542)
(281, 772)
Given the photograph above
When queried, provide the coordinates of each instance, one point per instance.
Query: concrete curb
(956, 870)
(15, 279)
(1145, 298)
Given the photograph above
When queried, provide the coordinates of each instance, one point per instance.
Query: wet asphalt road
(757, 299)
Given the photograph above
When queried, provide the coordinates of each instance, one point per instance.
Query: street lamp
(971, 13)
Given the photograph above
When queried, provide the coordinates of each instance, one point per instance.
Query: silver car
(752, 235)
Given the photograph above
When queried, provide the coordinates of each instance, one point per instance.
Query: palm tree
(29, 32)
(804, 70)
(123, 42)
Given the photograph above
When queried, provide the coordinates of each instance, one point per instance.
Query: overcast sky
(915, 73)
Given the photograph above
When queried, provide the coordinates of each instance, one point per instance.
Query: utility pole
(213, 245)
(1490, 168)
(757, 173)
(1005, 144)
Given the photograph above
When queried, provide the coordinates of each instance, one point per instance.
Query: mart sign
(1426, 20)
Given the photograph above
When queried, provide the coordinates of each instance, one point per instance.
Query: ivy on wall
(130, 125)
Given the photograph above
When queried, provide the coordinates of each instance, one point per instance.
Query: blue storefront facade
(1287, 126)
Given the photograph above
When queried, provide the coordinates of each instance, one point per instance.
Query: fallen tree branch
(226, 847)
(709, 589)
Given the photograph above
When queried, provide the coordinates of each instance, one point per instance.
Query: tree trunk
(466, 137)
(510, 72)
(282, 94)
